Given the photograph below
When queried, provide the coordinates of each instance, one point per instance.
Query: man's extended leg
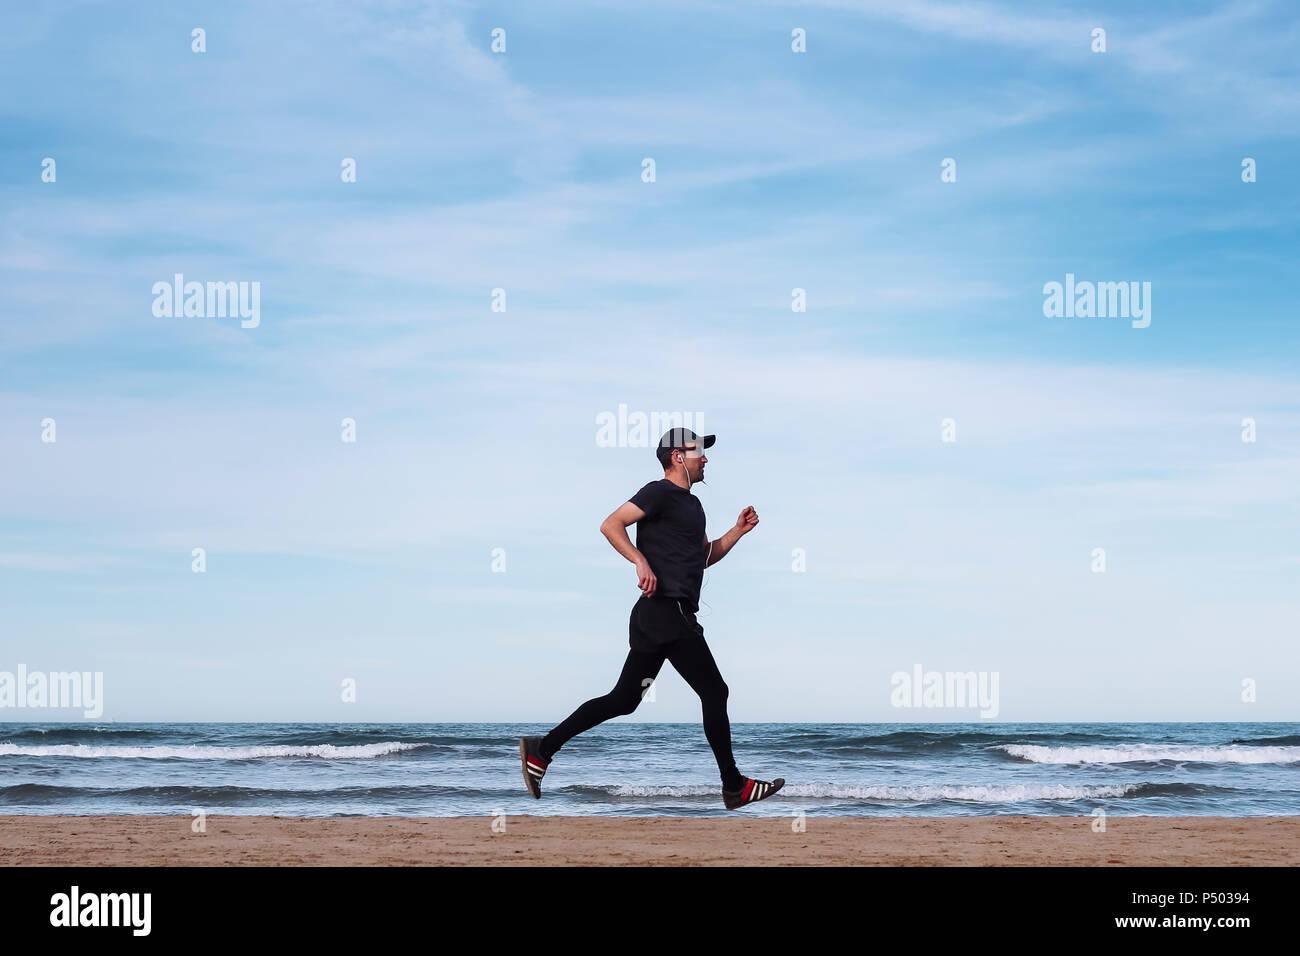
(639, 670)
(692, 658)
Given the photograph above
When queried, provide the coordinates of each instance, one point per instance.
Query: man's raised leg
(639, 670)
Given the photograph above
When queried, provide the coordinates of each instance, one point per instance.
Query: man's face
(694, 459)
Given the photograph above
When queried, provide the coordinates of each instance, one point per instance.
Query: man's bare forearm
(723, 545)
(616, 534)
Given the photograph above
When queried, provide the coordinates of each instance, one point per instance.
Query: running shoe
(752, 791)
(533, 764)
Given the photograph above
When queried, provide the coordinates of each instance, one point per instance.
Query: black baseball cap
(680, 438)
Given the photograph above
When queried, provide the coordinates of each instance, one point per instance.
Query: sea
(626, 768)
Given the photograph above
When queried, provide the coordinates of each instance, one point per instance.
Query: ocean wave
(46, 734)
(1288, 741)
(206, 752)
(1153, 753)
(923, 793)
(914, 743)
(225, 795)
(235, 735)
(973, 736)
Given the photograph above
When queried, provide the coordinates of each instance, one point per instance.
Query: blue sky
(476, 429)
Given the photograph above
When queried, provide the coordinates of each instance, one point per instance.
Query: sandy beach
(656, 841)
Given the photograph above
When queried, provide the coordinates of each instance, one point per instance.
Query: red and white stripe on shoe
(537, 766)
(754, 790)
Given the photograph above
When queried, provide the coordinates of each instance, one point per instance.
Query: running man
(670, 556)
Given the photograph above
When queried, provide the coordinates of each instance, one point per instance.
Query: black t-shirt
(671, 536)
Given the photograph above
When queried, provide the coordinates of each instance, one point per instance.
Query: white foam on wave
(201, 752)
(905, 794)
(1131, 753)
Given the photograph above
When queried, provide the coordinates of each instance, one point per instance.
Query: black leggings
(691, 658)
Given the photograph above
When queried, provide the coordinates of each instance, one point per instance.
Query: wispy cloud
(775, 171)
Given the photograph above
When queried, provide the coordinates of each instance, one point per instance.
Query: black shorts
(656, 622)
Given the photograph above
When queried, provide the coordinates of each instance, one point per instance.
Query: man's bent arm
(721, 546)
(614, 528)
(717, 550)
